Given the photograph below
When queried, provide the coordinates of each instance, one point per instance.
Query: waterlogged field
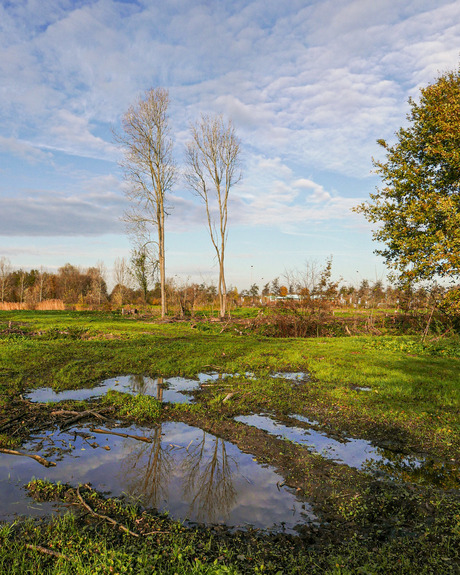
(134, 446)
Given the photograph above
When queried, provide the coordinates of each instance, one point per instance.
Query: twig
(110, 520)
(10, 422)
(41, 460)
(138, 437)
(47, 551)
(106, 517)
(82, 415)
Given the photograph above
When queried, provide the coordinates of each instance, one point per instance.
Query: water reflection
(147, 469)
(171, 389)
(208, 485)
(191, 474)
(361, 454)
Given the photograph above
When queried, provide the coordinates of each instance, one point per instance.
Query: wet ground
(199, 470)
(358, 453)
(173, 468)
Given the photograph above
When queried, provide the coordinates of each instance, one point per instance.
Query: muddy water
(361, 454)
(181, 469)
(171, 389)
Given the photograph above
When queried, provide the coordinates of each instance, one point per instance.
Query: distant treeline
(79, 288)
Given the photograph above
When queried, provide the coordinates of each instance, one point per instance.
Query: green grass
(414, 400)
(414, 387)
(88, 545)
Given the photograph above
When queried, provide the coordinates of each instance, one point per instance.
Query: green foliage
(418, 208)
(140, 408)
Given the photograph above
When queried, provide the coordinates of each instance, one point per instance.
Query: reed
(45, 305)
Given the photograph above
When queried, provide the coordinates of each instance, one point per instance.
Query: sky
(310, 86)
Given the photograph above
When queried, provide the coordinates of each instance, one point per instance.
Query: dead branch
(105, 517)
(82, 415)
(47, 551)
(8, 423)
(40, 460)
(138, 437)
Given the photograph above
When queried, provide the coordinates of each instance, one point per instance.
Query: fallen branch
(41, 460)
(47, 551)
(138, 437)
(105, 517)
(10, 422)
(82, 415)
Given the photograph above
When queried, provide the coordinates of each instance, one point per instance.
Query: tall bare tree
(5, 271)
(150, 171)
(121, 276)
(213, 168)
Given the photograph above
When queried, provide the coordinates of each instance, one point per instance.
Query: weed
(139, 408)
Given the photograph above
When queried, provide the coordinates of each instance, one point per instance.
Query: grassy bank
(394, 391)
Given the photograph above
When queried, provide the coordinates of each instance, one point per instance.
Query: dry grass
(49, 304)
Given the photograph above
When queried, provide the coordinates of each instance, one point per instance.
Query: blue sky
(310, 86)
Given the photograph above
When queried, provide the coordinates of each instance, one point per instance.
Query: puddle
(361, 454)
(172, 389)
(193, 475)
(299, 376)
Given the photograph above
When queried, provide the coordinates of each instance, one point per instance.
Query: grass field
(410, 404)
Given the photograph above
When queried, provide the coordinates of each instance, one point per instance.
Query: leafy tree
(143, 270)
(418, 207)
(254, 292)
(275, 287)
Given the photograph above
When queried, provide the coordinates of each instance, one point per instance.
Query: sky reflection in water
(191, 474)
(360, 453)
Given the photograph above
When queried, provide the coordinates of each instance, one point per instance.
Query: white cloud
(25, 150)
(310, 87)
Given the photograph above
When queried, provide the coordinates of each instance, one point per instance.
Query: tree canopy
(418, 206)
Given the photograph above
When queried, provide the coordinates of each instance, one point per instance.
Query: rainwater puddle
(298, 376)
(361, 454)
(191, 474)
(173, 389)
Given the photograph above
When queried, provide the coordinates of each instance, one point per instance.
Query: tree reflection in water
(142, 385)
(147, 469)
(208, 484)
(203, 470)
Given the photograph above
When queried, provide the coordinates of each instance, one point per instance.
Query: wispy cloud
(310, 87)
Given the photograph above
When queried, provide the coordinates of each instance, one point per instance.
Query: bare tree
(5, 271)
(150, 171)
(42, 278)
(98, 286)
(308, 277)
(213, 168)
(122, 277)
